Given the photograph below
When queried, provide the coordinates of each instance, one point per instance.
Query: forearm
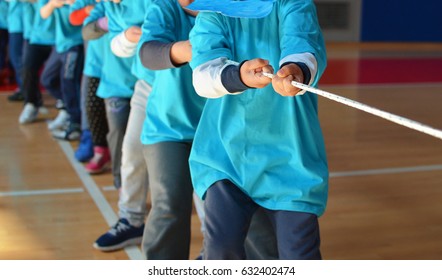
(155, 55)
(181, 52)
(77, 17)
(122, 47)
(47, 10)
(210, 79)
(93, 30)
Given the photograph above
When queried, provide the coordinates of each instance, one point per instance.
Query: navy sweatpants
(228, 215)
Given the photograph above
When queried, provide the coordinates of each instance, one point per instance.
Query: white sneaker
(60, 122)
(29, 114)
(42, 110)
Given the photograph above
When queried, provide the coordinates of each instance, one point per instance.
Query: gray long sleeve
(92, 31)
(155, 55)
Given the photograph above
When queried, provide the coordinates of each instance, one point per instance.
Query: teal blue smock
(43, 32)
(3, 14)
(95, 51)
(268, 145)
(174, 109)
(15, 17)
(117, 79)
(28, 19)
(66, 34)
(138, 70)
(95, 54)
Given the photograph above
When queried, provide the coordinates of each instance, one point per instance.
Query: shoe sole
(105, 168)
(120, 246)
(26, 121)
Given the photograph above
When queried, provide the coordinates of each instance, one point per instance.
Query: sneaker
(72, 133)
(85, 150)
(29, 114)
(122, 234)
(16, 96)
(43, 110)
(100, 162)
(59, 104)
(60, 122)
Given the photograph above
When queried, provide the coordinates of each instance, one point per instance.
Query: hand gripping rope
(363, 107)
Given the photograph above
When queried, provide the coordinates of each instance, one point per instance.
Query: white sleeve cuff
(207, 78)
(122, 47)
(306, 58)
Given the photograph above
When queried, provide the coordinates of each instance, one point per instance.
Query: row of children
(189, 111)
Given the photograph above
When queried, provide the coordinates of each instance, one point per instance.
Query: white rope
(385, 115)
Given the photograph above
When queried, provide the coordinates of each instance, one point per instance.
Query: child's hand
(181, 52)
(282, 80)
(133, 34)
(56, 3)
(251, 73)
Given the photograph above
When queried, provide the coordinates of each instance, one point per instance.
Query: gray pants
(134, 178)
(117, 112)
(167, 229)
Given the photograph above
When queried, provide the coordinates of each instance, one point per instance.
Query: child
(132, 208)
(69, 58)
(259, 146)
(36, 53)
(116, 84)
(172, 115)
(93, 120)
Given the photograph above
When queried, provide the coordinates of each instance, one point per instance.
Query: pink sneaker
(100, 162)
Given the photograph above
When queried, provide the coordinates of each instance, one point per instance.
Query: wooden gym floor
(385, 186)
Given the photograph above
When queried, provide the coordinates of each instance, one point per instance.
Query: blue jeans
(229, 212)
(16, 45)
(167, 230)
(62, 77)
(117, 112)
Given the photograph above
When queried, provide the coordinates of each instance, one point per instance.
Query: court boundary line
(42, 192)
(386, 171)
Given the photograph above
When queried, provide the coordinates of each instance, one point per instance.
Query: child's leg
(83, 97)
(16, 44)
(228, 214)
(71, 72)
(117, 112)
(261, 239)
(50, 78)
(33, 60)
(167, 229)
(3, 48)
(96, 113)
(297, 234)
(134, 180)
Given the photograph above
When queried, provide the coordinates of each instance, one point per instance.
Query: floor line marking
(382, 171)
(109, 188)
(42, 192)
(100, 201)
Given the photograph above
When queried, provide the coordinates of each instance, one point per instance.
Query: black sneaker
(16, 96)
(122, 234)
